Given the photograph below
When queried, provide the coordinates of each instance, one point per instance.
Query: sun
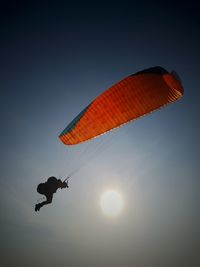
(111, 203)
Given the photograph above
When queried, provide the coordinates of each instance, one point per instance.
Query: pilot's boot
(37, 207)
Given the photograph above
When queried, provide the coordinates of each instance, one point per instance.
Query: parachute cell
(128, 100)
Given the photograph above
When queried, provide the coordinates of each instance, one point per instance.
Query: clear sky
(55, 59)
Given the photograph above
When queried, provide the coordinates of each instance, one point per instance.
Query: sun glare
(111, 202)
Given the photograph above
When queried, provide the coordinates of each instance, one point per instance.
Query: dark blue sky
(55, 59)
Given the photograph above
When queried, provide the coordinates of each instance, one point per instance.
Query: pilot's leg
(46, 202)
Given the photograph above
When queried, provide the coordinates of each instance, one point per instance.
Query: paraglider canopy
(135, 96)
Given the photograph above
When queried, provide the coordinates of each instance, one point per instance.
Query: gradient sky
(55, 59)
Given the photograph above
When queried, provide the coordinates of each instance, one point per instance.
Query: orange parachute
(129, 99)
